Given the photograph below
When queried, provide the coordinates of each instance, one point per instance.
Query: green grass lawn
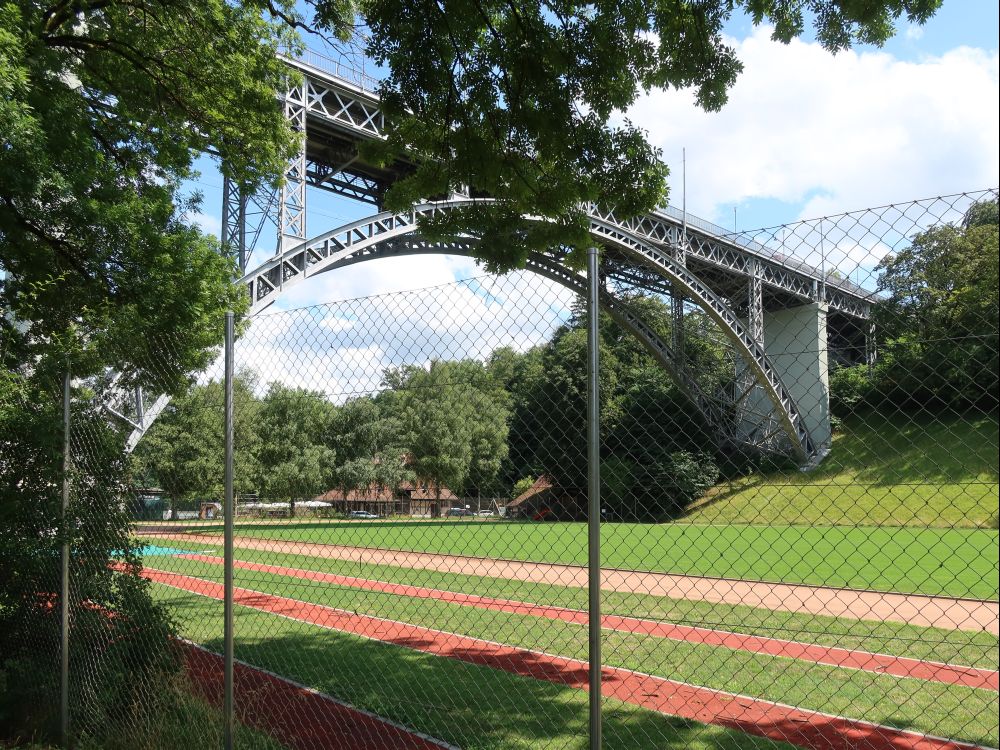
(919, 470)
(949, 646)
(951, 562)
(943, 710)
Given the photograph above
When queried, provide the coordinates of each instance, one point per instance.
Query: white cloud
(209, 224)
(381, 276)
(343, 348)
(914, 32)
(833, 132)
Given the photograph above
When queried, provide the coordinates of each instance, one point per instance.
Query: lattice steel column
(677, 301)
(292, 195)
(755, 302)
(234, 213)
(871, 349)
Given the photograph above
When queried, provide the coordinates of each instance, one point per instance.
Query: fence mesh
(799, 500)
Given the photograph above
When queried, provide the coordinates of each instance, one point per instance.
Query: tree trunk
(291, 507)
(436, 508)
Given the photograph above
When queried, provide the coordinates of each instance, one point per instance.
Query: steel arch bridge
(736, 283)
(778, 428)
(379, 236)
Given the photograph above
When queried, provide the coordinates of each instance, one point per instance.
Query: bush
(690, 475)
(658, 491)
(850, 388)
(119, 640)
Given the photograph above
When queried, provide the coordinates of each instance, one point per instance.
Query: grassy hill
(900, 471)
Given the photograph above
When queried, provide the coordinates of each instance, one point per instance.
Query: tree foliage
(454, 424)
(104, 107)
(293, 459)
(937, 322)
(367, 437)
(134, 641)
(522, 101)
(183, 452)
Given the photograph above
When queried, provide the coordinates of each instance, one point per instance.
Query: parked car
(361, 514)
(460, 512)
(485, 514)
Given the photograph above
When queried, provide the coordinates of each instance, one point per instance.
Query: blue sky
(806, 134)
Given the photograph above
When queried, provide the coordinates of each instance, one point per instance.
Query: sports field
(482, 661)
(936, 562)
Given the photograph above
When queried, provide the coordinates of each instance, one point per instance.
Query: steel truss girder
(337, 104)
(362, 238)
(243, 218)
(344, 182)
(343, 105)
(755, 303)
(234, 222)
(729, 255)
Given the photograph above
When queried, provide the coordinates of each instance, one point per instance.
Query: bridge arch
(372, 237)
(392, 234)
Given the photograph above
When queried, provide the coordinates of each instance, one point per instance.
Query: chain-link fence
(798, 462)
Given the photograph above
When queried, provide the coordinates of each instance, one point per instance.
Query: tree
(453, 417)
(183, 452)
(101, 116)
(938, 321)
(294, 460)
(103, 107)
(366, 435)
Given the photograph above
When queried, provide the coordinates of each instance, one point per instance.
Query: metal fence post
(594, 497)
(64, 576)
(228, 541)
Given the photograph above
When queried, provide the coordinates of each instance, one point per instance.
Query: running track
(299, 718)
(911, 609)
(808, 729)
(896, 666)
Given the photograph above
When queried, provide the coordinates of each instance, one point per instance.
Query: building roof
(426, 491)
(543, 483)
(370, 494)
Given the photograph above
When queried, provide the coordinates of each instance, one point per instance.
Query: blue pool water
(154, 550)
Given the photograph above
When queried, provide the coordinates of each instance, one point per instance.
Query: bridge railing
(317, 61)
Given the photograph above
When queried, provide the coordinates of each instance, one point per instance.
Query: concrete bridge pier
(795, 339)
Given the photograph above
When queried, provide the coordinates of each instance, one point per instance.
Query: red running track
(897, 666)
(809, 729)
(297, 717)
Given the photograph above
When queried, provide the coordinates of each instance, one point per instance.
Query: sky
(805, 134)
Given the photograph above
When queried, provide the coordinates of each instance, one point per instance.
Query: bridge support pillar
(234, 221)
(796, 344)
(292, 193)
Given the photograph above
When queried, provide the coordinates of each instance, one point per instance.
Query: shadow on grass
(474, 707)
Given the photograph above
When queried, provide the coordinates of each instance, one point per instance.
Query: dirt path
(911, 609)
(897, 666)
(297, 717)
(809, 729)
